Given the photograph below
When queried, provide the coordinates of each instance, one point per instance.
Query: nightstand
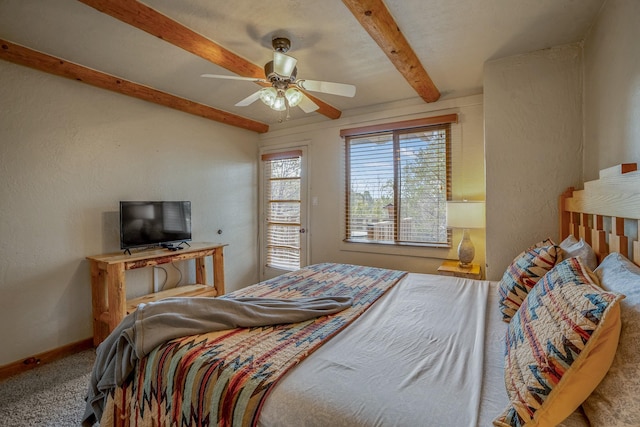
(452, 268)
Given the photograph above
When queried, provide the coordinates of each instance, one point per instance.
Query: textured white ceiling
(452, 38)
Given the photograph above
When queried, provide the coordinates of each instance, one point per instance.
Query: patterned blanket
(222, 378)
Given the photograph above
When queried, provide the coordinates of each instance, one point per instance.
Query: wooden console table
(109, 290)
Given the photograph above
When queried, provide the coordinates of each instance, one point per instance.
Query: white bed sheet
(428, 353)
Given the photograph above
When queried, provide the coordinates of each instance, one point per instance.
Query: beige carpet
(50, 395)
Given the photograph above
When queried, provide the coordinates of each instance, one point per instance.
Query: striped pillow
(523, 273)
(559, 346)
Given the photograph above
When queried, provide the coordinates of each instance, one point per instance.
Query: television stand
(108, 281)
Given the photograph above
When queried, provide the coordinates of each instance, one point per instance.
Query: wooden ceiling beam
(376, 19)
(324, 108)
(40, 61)
(153, 22)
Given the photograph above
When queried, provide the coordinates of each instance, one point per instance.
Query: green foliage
(422, 191)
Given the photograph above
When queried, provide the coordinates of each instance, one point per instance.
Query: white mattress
(428, 353)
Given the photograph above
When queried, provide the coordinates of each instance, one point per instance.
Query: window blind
(282, 177)
(398, 182)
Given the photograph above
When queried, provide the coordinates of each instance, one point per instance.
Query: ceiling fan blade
(283, 64)
(307, 105)
(221, 76)
(328, 87)
(249, 99)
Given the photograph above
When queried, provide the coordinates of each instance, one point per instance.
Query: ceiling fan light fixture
(268, 95)
(279, 104)
(294, 96)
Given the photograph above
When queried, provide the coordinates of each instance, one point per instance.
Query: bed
(417, 349)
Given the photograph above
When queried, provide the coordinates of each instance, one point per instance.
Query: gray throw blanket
(161, 321)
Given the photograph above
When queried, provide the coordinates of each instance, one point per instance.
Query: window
(282, 198)
(398, 179)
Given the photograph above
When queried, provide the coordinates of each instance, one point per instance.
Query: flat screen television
(154, 224)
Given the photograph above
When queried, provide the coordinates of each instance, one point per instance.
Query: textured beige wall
(326, 169)
(68, 154)
(533, 147)
(612, 88)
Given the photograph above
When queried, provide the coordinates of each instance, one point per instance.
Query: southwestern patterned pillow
(523, 273)
(559, 346)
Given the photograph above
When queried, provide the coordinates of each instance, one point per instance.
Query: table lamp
(465, 214)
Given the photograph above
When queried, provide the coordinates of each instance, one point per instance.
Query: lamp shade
(268, 95)
(465, 214)
(294, 96)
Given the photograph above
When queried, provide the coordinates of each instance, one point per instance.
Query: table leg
(99, 302)
(201, 271)
(218, 271)
(117, 294)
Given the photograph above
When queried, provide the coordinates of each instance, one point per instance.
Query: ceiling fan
(285, 91)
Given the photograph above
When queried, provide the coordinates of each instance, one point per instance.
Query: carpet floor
(50, 395)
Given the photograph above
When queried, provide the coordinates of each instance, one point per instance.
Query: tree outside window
(398, 182)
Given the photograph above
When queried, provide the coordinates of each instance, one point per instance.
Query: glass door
(283, 212)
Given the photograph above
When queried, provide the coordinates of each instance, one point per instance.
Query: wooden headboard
(606, 213)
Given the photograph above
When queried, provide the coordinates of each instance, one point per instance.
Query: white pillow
(616, 400)
(570, 240)
(572, 247)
